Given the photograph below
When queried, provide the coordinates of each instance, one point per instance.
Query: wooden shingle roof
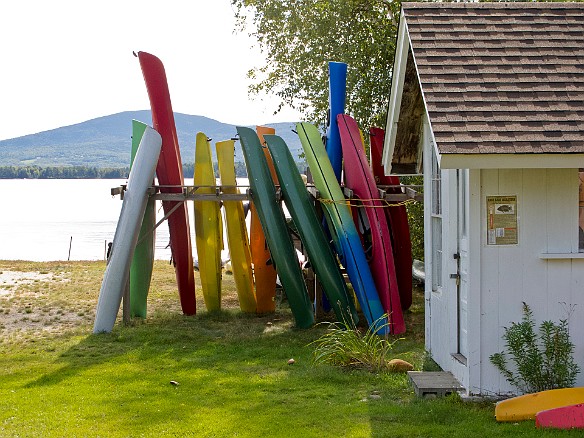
(503, 78)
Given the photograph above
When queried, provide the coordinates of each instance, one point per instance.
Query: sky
(65, 62)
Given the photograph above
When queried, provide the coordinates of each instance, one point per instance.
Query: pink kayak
(359, 178)
(566, 417)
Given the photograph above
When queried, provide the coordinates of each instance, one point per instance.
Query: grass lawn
(57, 379)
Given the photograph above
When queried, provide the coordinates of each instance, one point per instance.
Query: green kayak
(263, 193)
(320, 254)
(143, 261)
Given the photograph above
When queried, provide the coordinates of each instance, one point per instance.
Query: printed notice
(501, 220)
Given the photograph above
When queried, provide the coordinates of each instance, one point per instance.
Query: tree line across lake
(90, 172)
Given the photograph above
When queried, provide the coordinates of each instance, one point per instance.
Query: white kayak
(117, 271)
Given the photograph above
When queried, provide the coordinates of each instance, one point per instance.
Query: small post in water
(70, 242)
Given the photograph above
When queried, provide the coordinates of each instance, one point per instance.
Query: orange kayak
(264, 271)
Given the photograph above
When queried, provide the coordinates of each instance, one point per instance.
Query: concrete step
(434, 383)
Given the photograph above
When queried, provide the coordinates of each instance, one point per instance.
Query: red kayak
(360, 179)
(397, 217)
(169, 172)
(566, 417)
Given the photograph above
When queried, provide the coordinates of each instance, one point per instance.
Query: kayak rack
(190, 193)
(408, 192)
(221, 193)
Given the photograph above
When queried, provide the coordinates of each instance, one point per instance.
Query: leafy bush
(416, 217)
(343, 345)
(541, 362)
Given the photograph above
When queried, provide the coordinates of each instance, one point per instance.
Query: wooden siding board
(397, 87)
(535, 223)
(575, 312)
(428, 265)
(474, 279)
(450, 247)
(489, 291)
(558, 286)
(562, 210)
(558, 295)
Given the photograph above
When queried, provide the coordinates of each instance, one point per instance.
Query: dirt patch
(11, 280)
(24, 302)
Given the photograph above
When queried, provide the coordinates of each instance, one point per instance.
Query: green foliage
(90, 172)
(416, 217)
(300, 37)
(541, 362)
(430, 364)
(62, 172)
(346, 346)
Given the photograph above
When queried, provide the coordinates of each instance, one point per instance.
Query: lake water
(41, 219)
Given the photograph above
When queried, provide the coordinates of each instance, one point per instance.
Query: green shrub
(541, 362)
(416, 217)
(346, 346)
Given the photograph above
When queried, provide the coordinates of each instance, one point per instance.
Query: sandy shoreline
(9, 280)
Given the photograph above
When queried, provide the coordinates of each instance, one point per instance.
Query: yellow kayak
(237, 237)
(525, 407)
(208, 226)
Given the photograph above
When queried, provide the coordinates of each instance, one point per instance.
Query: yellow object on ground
(525, 407)
(399, 366)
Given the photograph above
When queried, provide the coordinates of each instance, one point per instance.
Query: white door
(462, 261)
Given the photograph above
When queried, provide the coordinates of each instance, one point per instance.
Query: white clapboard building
(487, 101)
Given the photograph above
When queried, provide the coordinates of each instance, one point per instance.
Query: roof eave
(511, 161)
(397, 83)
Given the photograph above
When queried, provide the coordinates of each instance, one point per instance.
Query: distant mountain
(106, 141)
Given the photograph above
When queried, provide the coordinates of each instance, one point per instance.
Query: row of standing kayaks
(369, 240)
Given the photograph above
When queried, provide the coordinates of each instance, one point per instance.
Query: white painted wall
(547, 206)
(441, 300)
(502, 277)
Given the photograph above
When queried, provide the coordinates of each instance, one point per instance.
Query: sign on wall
(502, 220)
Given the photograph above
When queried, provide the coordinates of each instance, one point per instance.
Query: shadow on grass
(233, 374)
(231, 370)
(175, 336)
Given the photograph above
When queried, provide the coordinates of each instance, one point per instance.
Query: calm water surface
(41, 218)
